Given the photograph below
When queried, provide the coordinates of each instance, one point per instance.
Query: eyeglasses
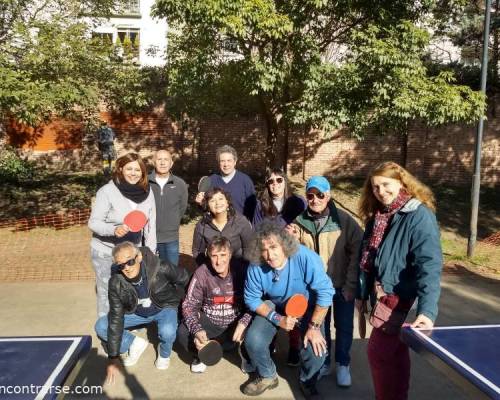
(312, 195)
(129, 263)
(270, 181)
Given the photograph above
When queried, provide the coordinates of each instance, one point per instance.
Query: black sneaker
(293, 357)
(259, 385)
(309, 391)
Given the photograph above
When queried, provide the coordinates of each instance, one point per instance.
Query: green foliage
(13, 168)
(462, 23)
(316, 63)
(384, 84)
(49, 65)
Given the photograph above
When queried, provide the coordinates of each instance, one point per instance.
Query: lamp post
(476, 178)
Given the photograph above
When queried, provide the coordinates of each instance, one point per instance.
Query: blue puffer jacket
(409, 260)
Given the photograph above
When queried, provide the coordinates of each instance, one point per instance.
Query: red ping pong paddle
(204, 184)
(135, 220)
(296, 306)
(211, 353)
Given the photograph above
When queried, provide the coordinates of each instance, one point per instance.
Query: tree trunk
(3, 136)
(495, 57)
(272, 126)
(286, 138)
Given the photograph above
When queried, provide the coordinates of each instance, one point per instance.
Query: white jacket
(109, 210)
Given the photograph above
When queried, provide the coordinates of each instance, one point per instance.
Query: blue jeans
(257, 340)
(169, 251)
(166, 321)
(343, 316)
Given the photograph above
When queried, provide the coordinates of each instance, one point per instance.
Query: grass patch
(486, 257)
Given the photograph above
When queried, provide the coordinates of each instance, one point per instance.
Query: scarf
(132, 192)
(380, 226)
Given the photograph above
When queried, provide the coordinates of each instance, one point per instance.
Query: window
(131, 33)
(129, 37)
(104, 38)
(129, 7)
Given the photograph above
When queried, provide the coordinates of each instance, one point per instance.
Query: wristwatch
(314, 325)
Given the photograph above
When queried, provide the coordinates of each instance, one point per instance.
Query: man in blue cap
(336, 237)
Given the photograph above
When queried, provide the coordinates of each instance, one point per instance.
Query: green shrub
(13, 168)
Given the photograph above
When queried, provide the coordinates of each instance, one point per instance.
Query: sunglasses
(277, 180)
(129, 263)
(312, 195)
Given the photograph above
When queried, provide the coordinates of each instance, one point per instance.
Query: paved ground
(45, 294)
(68, 308)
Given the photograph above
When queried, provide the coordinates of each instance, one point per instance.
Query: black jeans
(219, 333)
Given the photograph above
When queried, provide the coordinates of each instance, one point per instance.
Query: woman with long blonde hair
(400, 262)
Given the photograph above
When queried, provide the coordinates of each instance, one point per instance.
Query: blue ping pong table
(469, 355)
(39, 367)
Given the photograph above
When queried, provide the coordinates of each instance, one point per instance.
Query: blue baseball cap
(318, 182)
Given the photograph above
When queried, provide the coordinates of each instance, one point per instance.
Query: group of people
(252, 254)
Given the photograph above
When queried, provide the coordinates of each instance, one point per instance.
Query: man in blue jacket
(280, 268)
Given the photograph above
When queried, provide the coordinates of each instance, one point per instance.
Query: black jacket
(166, 285)
(171, 204)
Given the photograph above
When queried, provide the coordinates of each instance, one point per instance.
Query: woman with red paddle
(128, 191)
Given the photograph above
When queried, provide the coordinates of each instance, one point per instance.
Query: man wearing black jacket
(171, 198)
(142, 289)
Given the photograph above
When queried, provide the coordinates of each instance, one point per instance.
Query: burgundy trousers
(389, 360)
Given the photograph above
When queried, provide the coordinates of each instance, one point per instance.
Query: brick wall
(435, 155)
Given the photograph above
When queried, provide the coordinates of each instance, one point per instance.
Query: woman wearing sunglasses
(277, 201)
(401, 261)
(128, 190)
(220, 219)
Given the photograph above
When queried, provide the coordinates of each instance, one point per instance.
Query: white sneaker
(246, 366)
(325, 370)
(343, 375)
(162, 362)
(198, 367)
(135, 351)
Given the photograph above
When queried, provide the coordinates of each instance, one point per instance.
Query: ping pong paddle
(296, 306)
(211, 353)
(204, 184)
(135, 220)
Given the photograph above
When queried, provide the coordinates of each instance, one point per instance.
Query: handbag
(387, 319)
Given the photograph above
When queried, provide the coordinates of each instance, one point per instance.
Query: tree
(50, 65)
(463, 24)
(316, 63)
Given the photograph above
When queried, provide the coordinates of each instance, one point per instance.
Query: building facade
(133, 23)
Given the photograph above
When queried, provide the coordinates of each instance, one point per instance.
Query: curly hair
(368, 204)
(211, 193)
(266, 198)
(266, 230)
(124, 160)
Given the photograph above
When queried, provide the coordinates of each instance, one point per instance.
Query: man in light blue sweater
(280, 268)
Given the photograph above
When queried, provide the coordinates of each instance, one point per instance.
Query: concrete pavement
(68, 308)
